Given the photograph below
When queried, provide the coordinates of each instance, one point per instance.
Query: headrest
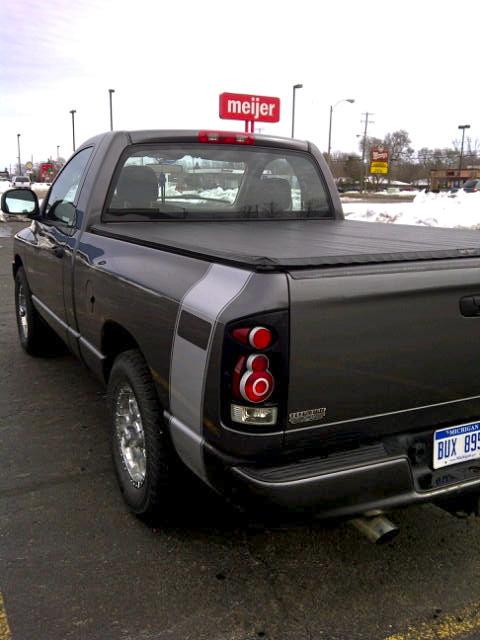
(137, 186)
(279, 193)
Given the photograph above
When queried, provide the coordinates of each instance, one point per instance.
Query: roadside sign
(379, 160)
(250, 108)
(379, 167)
(28, 165)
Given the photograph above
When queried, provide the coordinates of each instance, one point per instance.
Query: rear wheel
(145, 463)
(35, 335)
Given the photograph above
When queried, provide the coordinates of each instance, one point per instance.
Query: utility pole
(462, 127)
(367, 121)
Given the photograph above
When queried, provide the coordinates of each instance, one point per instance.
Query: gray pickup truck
(283, 354)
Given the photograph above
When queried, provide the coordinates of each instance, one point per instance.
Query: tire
(145, 463)
(35, 335)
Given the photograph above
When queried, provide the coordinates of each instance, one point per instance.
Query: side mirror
(22, 202)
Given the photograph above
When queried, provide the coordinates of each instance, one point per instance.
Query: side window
(60, 207)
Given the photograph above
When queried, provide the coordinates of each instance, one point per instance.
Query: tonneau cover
(288, 244)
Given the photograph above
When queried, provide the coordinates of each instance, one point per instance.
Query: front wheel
(143, 456)
(35, 335)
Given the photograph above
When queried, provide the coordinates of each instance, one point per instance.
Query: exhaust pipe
(377, 529)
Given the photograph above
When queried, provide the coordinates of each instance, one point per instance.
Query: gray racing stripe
(218, 288)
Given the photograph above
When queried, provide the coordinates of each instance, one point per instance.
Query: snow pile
(217, 193)
(428, 209)
(220, 194)
(352, 196)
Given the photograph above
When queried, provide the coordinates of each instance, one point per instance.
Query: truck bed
(290, 244)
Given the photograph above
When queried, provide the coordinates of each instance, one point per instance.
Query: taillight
(252, 379)
(255, 371)
(257, 337)
(257, 383)
(225, 137)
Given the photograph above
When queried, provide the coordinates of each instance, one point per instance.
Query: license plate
(456, 444)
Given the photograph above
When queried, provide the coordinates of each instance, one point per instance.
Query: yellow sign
(379, 167)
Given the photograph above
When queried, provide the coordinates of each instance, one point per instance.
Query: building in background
(451, 178)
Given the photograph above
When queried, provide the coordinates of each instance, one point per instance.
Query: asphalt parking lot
(74, 564)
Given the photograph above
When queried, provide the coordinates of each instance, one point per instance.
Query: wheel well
(115, 340)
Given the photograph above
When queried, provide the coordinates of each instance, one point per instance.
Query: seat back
(269, 195)
(279, 193)
(137, 187)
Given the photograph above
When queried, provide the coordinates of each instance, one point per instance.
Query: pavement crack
(282, 608)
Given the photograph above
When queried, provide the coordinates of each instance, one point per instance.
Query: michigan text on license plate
(456, 444)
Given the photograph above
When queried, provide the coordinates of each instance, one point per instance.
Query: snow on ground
(427, 209)
(352, 196)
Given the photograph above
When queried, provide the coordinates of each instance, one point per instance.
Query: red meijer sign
(242, 106)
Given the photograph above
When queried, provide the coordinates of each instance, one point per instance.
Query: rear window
(210, 182)
(19, 179)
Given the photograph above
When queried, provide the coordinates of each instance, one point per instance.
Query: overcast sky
(411, 63)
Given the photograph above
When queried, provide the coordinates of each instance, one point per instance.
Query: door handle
(59, 252)
(470, 306)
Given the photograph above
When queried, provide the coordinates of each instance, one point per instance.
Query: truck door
(55, 234)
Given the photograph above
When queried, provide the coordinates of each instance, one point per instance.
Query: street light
(58, 151)
(19, 161)
(73, 112)
(110, 91)
(462, 127)
(332, 107)
(295, 87)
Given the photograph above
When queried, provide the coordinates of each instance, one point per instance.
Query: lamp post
(110, 92)
(332, 107)
(462, 127)
(19, 161)
(73, 112)
(295, 87)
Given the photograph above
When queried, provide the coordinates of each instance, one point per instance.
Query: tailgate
(384, 348)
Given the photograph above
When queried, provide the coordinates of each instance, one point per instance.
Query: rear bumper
(342, 488)
(376, 477)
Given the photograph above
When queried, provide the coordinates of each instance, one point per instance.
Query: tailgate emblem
(310, 415)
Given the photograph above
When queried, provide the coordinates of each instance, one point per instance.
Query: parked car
(286, 356)
(471, 186)
(21, 182)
